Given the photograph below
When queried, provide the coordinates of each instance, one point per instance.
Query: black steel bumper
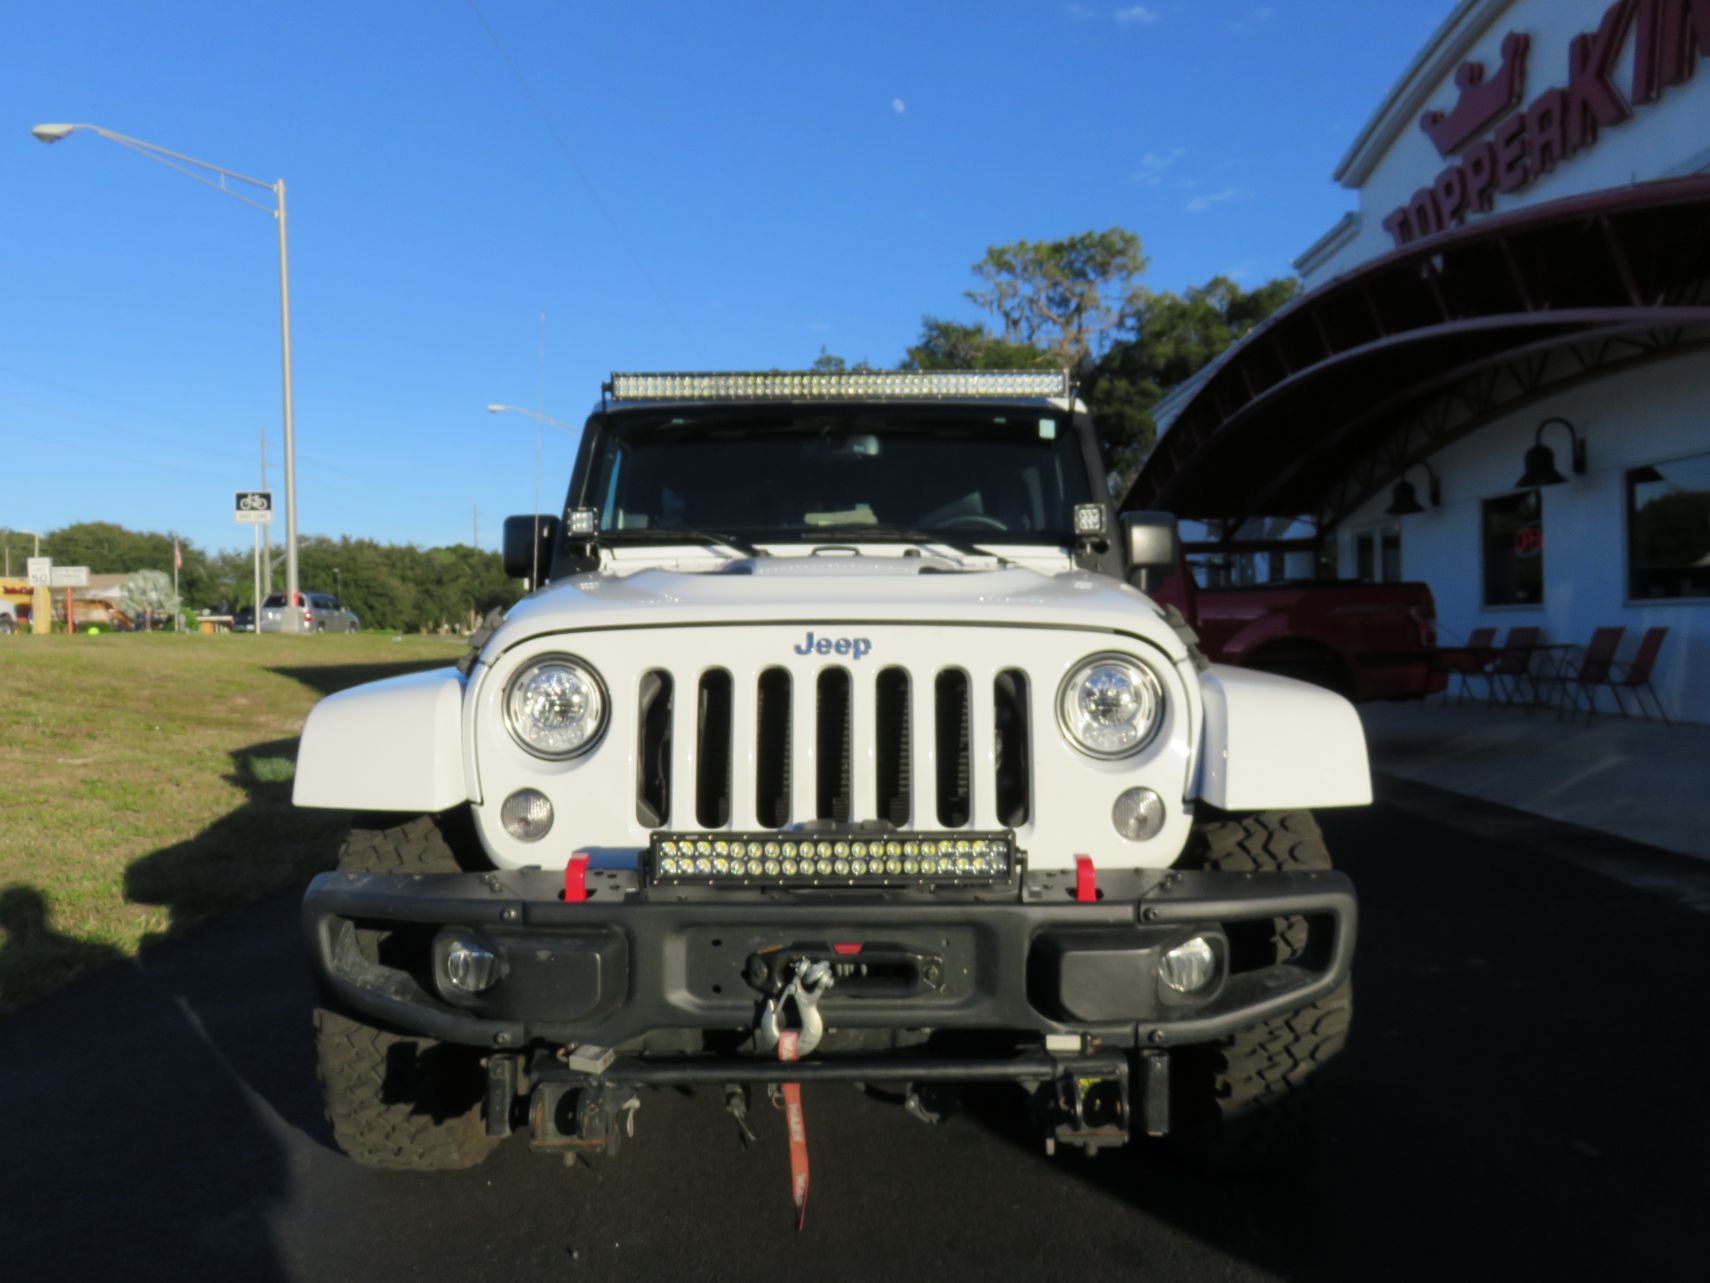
(626, 963)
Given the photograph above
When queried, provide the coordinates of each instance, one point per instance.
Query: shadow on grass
(266, 845)
(171, 1093)
(200, 1047)
(33, 955)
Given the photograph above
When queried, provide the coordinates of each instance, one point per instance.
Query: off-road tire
(1252, 1101)
(399, 1100)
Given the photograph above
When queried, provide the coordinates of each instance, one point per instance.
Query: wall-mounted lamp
(1541, 460)
(1404, 499)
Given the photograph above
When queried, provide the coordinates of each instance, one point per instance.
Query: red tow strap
(1086, 880)
(576, 880)
(798, 1130)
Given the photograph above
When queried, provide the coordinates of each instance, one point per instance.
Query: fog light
(470, 967)
(1138, 814)
(1189, 967)
(527, 815)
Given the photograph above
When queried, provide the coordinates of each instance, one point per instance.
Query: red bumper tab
(576, 880)
(1086, 880)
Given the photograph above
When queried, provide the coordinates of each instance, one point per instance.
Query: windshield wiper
(681, 536)
(894, 534)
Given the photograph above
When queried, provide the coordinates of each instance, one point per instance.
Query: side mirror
(1149, 545)
(519, 553)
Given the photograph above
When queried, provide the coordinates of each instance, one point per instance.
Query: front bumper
(627, 963)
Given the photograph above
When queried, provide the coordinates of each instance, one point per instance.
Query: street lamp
(1404, 499)
(539, 419)
(215, 177)
(1541, 460)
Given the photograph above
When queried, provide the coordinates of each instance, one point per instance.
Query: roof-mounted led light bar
(784, 385)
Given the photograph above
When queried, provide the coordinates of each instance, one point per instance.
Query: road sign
(69, 577)
(253, 507)
(39, 570)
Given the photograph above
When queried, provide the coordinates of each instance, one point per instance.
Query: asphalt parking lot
(1524, 1095)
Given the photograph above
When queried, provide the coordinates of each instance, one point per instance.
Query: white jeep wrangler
(834, 725)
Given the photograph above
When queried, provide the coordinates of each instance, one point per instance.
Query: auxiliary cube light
(780, 385)
(748, 859)
(1089, 519)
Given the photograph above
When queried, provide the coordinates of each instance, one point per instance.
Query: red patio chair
(1464, 661)
(1594, 662)
(1512, 666)
(1635, 676)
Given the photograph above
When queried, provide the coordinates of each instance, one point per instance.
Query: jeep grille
(866, 731)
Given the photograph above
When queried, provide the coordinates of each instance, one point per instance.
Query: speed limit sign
(253, 507)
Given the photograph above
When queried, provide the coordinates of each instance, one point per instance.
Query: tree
(148, 593)
(1170, 338)
(954, 345)
(1063, 296)
(109, 549)
(828, 362)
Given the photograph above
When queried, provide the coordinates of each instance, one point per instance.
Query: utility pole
(264, 542)
(255, 618)
(41, 602)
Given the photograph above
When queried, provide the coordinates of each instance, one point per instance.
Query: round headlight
(1110, 706)
(556, 707)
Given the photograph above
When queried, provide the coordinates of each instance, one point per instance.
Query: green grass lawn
(146, 784)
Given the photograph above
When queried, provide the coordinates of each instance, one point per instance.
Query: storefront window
(1377, 555)
(1514, 550)
(1668, 529)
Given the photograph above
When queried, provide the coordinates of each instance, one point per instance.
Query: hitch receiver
(1088, 1108)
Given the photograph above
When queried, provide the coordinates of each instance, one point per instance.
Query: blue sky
(676, 186)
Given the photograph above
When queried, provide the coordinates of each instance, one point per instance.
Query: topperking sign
(1500, 150)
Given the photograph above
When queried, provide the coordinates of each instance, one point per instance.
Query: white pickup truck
(837, 720)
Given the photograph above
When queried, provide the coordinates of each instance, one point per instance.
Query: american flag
(177, 556)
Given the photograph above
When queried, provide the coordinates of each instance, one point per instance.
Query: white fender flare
(392, 745)
(1275, 744)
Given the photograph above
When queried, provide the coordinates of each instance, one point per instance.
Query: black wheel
(400, 1100)
(1252, 1101)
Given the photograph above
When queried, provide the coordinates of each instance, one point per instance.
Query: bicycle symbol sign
(254, 507)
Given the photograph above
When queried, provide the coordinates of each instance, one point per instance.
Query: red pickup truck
(1365, 641)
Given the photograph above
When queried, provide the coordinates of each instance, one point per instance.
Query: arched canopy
(1328, 401)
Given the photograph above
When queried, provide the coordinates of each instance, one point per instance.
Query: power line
(575, 166)
(110, 400)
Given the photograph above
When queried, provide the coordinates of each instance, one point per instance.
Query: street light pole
(290, 422)
(539, 419)
(214, 176)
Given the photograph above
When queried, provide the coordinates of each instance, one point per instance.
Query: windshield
(988, 476)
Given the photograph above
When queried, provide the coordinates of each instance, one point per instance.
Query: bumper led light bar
(865, 384)
(778, 859)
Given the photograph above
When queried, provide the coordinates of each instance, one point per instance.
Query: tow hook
(807, 985)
